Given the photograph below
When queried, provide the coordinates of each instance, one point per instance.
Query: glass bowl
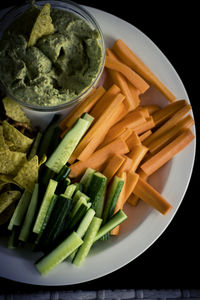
(82, 13)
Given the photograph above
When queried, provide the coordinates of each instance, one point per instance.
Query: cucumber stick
(65, 148)
(87, 241)
(20, 210)
(45, 205)
(70, 191)
(113, 195)
(83, 226)
(30, 215)
(61, 252)
(96, 188)
(115, 220)
(86, 178)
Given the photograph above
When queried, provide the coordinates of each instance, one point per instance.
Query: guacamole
(58, 67)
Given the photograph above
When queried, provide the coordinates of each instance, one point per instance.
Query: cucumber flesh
(45, 205)
(86, 178)
(30, 215)
(87, 241)
(65, 148)
(20, 210)
(83, 226)
(88, 118)
(70, 190)
(79, 194)
(61, 252)
(114, 221)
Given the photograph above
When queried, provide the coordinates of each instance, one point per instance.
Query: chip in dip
(45, 67)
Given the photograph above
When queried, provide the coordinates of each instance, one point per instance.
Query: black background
(173, 28)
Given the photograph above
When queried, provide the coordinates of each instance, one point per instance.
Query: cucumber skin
(114, 221)
(96, 188)
(87, 241)
(65, 148)
(61, 252)
(113, 195)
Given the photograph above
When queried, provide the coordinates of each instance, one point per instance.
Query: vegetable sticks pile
(127, 139)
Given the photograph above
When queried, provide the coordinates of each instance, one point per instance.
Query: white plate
(144, 224)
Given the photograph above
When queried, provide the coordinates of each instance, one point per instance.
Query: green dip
(58, 67)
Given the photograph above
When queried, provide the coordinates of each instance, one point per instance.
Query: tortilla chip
(27, 176)
(14, 111)
(7, 214)
(7, 198)
(21, 143)
(3, 145)
(43, 25)
(11, 162)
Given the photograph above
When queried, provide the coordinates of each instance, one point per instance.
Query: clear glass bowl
(81, 12)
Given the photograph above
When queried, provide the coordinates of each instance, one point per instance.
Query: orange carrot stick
(133, 61)
(147, 125)
(101, 105)
(82, 107)
(166, 112)
(137, 154)
(133, 140)
(99, 125)
(145, 135)
(131, 100)
(126, 166)
(165, 138)
(168, 124)
(128, 73)
(152, 197)
(169, 151)
(97, 160)
(113, 165)
(123, 133)
(131, 181)
(133, 199)
(98, 138)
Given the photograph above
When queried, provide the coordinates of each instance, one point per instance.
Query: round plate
(144, 224)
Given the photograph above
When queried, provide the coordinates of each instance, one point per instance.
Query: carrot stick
(82, 107)
(133, 140)
(120, 203)
(113, 166)
(128, 73)
(131, 100)
(152, 197)
(147, 125)
(137, 154)
(152, 108)
(169, 151)
(126, 166)
(97, 139)
(169, 135)
(99, 125)
(101, 105)
(97, 160)
(166, 112)
(131, 181)
(168, 124)
(133, 199)
(133, 61)
(123, 133)
(145, 135)
(143, 110)
(135, 93)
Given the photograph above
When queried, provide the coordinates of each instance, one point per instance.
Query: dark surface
(173, 260)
